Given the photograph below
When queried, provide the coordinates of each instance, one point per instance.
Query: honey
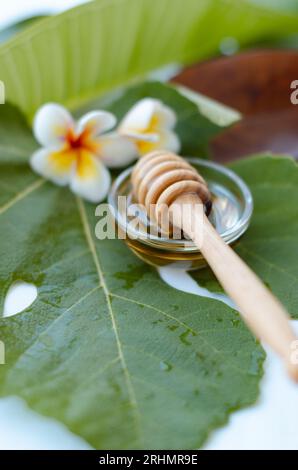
(159, 257)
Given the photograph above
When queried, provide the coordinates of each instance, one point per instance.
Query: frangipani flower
(150, 125)
(77, 153)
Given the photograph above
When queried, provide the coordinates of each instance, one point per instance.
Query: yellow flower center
(153, 128)
(78, 149)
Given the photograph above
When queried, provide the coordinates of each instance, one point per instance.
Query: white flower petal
(91, 180)
(166, 117)
(140, 136)
(96, 122)
(139, 116)
(148, 115)
(55, 166)
(169, 141)
(51, 124)
(116, 151)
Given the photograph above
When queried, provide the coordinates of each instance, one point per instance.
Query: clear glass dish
(231, 213)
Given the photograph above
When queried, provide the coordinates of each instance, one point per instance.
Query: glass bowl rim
(229, 235)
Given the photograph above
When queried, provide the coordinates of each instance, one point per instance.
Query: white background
(270, 424)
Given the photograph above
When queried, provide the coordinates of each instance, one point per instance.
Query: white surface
(21, 428)
(270, 424)
(19, 296)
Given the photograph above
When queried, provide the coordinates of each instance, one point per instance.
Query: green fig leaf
(107, 348)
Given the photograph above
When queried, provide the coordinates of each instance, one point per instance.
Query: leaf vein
(102, 283)
(21, 195)
(185, 325)
(265, 261)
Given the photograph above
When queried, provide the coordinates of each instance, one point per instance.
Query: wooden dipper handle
(162, 178)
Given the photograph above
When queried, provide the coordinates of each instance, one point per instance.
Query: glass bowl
(231, 213)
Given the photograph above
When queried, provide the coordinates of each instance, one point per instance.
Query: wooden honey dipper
(164, 179)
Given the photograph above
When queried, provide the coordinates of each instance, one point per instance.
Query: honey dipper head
(160, 177)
